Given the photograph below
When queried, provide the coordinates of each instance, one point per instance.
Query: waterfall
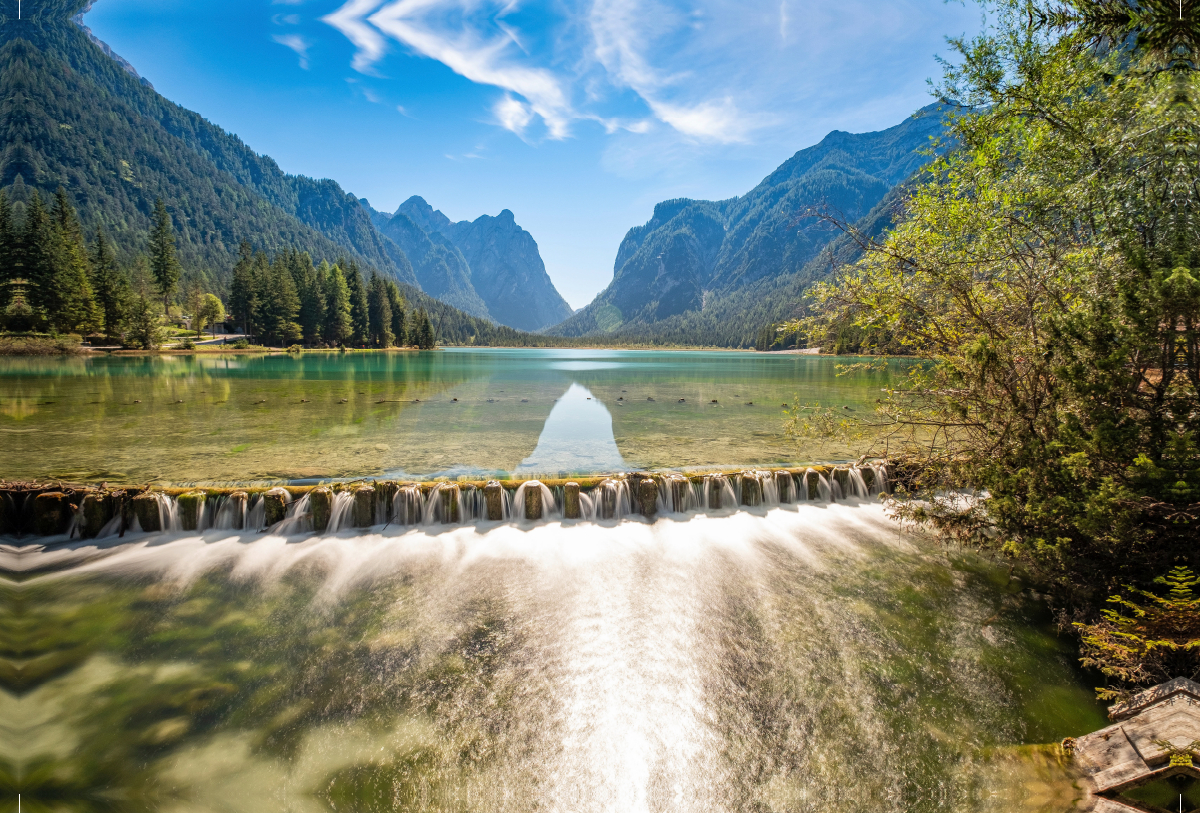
(230, 514)
(256, 514)
(549, 508)
(298, 519)
(168, 513)
(340, 512)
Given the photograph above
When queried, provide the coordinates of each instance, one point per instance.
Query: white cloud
(298, 44)
(349, 19)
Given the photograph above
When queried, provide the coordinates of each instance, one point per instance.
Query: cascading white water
(256, 513)
(230, 514)
(813, 659)
(549, 508)
(341, 512)
(168, 513)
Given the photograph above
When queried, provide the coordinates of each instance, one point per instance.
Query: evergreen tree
(425, 338)
(310, 287)
(243, 294)
(338, 323)
(359, 311)
(280, 303)
(110, 286)
(37, 258)
(162, 254)
(381, 313)
(397, 304)
(75, 307)
(144, 331)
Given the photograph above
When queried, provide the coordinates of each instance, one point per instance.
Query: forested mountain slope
(71, 115)
(705, 272)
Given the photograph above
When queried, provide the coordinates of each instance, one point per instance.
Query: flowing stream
(807, 657)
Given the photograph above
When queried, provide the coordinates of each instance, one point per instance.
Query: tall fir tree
(243, 294)
(425, 338)
(359, 310)
(339, 325)
(111, 287)
(312, 298)
(163, 261)
(381, 313)
(282, 306)
(397, 304)
(75, 307)
(37, 260)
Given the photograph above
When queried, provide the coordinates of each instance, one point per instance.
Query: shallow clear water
(803, 658)
(239, 418)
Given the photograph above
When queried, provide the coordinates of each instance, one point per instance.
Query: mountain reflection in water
(577, 437)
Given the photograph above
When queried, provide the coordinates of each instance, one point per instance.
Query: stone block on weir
(51, 513)
(364, 507)
(320, 506)
(572, 509)
(275, 504)
(191, 505)
(493, 497)
(145, 509)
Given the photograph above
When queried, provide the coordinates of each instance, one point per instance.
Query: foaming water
(809, 657)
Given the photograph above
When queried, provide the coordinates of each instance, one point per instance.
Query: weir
(85, 512)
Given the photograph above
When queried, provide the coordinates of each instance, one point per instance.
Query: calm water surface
(238, 418)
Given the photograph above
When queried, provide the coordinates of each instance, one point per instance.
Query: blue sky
(578, 115)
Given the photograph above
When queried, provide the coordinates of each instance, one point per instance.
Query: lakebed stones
(146, 510)
(320, 505)
(275, 504)
(572, 509)
(51, 513)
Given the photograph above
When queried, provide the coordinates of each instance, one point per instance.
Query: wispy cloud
(298, 44)
(712, 72)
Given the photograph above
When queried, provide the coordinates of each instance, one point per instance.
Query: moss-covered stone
(533, 500)
(493, 497)
(320, 505)
(363, 513)
(275, 502)
(448, 495)
(716, 492)
(145, 509)
(51, 513)
(191, 506)
(572, 508)
(647, 497)
(842, 477)
(97, 511)
(751, 490)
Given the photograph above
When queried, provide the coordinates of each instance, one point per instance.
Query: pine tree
(381, 313)
(359, 310)
(312, 298)
(162, 254)
(282, 306)
(338, 323)
(397, 304)
(111, 287)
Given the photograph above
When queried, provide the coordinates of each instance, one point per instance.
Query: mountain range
(716, 272)
(73, 114)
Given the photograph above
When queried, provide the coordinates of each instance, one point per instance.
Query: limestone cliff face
(439, 266)
(487, 267)
(508, 273)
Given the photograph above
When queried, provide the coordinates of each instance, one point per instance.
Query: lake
(454, 412)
